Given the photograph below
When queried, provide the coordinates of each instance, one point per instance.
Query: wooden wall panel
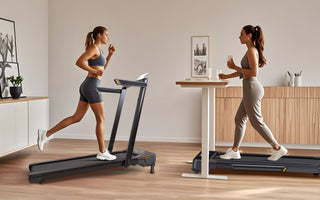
(291, 113)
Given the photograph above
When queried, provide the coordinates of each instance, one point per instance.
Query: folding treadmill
(259, 162)
(42, 171)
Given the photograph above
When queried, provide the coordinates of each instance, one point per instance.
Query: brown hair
(93, 35)
(258, 41)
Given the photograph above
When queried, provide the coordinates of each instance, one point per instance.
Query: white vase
(298, 81)
(291, 81)
(5, 93)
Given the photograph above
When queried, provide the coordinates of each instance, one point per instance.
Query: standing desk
(207, 122)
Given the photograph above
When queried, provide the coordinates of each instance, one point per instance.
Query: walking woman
(250, 106)
(89, 94)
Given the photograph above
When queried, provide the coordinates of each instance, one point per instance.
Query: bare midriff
(90, 74)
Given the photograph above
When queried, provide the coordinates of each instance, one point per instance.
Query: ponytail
(89, 40)
(258, 41)
(92, 36)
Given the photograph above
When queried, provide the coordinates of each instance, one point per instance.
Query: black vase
(15, 92)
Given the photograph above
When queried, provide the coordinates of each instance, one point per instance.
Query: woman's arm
(89, 53)
(253, 64)
(111, 51)
(227, 76)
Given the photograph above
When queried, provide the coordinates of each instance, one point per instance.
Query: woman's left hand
(111, 49)
(231, 64)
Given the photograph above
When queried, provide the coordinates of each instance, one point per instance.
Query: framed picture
(8, 44)
(8, 52)
(199, 56)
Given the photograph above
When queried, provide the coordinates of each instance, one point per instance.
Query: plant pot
(15, 92)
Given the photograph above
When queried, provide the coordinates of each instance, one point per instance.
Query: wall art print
(8, 53)
(199, 56)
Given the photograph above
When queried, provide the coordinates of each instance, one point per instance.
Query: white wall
(31, 20)
(155, 36)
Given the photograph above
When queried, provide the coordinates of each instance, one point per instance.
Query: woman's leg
(76, 117)
(256, 120)
(252, 103)
(240, 120)
(98, 109)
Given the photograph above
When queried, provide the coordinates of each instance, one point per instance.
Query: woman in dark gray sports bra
(89, 94)
(250, 106)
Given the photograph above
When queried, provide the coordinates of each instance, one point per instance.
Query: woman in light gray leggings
(250, 106)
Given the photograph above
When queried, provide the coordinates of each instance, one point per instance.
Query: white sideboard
(19, 121)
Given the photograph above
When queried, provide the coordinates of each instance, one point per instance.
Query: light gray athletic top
(244, 65)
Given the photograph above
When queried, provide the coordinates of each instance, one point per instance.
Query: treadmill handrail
(139, 83)
(110, 90)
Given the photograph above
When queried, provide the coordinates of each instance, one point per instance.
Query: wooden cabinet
(292, 114)
(21, 125)
(19, 120)
(7, 126)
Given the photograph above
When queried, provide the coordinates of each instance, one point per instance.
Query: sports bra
(244, 65)
(100, 61)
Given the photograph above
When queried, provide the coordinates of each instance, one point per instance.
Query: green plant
(15, 81)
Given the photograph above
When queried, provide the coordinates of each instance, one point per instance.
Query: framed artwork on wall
(199, 56)
(8, 53)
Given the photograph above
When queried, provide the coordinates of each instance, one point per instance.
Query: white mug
(209, 73)
(218, 71)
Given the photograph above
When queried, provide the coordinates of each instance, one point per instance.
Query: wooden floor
(137, 183)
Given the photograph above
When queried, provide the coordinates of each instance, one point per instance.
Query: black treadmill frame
(128, 157)
(259, 162)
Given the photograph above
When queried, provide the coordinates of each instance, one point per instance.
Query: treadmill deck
(259, 162)
(39, 172)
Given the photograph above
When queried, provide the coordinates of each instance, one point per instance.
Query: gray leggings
(250, 107)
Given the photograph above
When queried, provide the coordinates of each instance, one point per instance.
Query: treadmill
(42, 171)
(259, 162)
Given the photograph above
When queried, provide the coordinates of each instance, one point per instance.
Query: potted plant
(15, 89)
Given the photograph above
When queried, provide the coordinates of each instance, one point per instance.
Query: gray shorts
(89, 90)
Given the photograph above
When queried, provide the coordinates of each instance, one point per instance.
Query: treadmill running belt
(259, 162)
(85, 161)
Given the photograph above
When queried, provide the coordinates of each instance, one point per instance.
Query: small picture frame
(199, 56)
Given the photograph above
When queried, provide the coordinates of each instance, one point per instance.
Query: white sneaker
(278, 154)
(230, 154)
(106, 156)
(42, 139)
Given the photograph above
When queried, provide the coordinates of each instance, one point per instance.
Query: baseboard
(259, 144)
(139, 138)
(186, 140)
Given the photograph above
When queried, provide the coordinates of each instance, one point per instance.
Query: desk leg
(212, 117)
(205, 129)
